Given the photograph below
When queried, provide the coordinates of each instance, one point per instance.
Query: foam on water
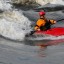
(4, 5)
(43, 2)
(14, 25)
(57, 2)
(49, 37)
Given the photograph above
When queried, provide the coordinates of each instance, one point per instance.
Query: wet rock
(26, 6)
(1, 11)
(50, 7)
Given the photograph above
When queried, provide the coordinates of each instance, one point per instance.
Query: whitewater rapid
(13, 24)
(41, 38)
(4, 5)
(43, 2)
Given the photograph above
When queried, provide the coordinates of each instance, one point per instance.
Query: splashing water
(13, 24)
(4, 5)
(43, 2)
(57, 2)
(40, 38)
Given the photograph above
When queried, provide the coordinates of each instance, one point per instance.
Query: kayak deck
(53, 31)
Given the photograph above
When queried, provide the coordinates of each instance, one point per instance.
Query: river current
(14, 24)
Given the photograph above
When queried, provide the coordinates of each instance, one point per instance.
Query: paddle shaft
(32, 32)
(60, 20)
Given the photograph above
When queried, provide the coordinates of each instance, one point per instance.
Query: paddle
(32, 32)
(60, 20)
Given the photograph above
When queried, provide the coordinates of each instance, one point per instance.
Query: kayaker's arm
(37, 28)
(52, 21)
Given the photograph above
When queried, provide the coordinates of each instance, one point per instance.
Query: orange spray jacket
(42, 22)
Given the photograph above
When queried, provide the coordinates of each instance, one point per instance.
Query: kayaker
(42, 23)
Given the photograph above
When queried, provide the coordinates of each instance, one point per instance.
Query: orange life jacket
(42, 22)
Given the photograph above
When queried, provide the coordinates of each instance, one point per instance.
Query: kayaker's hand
(38, 29)
(54, 22)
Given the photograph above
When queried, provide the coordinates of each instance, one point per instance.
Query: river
(14, 24)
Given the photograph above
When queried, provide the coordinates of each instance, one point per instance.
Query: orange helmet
(41, 13)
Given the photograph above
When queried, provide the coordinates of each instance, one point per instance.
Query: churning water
(13, 24)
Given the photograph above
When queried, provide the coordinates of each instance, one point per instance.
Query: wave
(4, 5)
(39, 38)
(13, 24)
(41, 2)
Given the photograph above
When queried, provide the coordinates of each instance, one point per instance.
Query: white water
(4, 5)
(43, 2)
(49, 37)
(13, 24)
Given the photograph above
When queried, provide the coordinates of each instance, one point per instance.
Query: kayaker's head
(42, 14)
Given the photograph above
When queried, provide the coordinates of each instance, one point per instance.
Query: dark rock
(50, 7)
(26, 6)
(1, 11)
